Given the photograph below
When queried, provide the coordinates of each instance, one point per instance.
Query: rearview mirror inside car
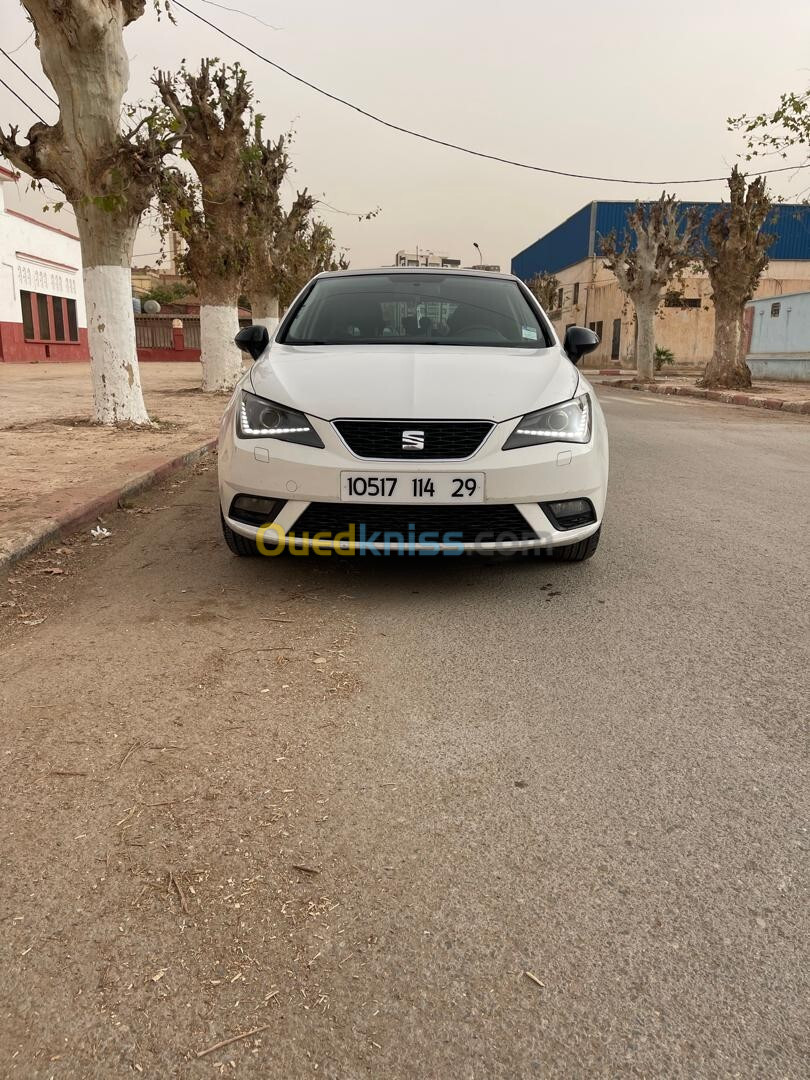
(579, 341)
(253, 340)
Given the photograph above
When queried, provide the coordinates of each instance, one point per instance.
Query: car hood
(426, 382)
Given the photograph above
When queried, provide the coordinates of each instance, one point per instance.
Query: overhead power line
(337, 210)
(247, 14)
(21, 100)
(456, 146)
(32, 81)
(23, 42)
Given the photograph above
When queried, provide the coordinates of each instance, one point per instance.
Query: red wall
(15, 349)
(178, 351)
(167, 354)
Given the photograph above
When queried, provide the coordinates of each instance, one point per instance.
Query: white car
(414, 411)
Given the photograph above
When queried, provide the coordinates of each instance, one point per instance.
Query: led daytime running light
(577, 435)
(248, 430)
(570, 421)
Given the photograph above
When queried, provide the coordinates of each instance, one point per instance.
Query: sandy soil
(47, 447)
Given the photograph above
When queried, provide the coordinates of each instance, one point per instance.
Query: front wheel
(239, 545)
(578, 552)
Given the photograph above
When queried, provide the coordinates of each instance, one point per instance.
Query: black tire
(576, 552)
(239, 545)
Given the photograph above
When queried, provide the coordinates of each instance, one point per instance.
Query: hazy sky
(638, 89)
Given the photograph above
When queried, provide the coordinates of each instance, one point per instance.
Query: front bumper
(523, 478)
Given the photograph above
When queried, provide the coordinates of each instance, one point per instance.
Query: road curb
(728, 397)
(92, 505)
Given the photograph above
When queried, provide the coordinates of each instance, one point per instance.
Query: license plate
(448, 488)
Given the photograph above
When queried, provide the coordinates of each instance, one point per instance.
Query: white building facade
(42, 313)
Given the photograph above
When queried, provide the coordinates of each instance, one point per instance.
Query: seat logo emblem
(413, 440)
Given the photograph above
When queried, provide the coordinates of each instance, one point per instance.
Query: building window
(576, 293)
(775, 309)
(559, 298)
(73, 322)
(58, 320)
(615, 345)
(676, 299)
(28, 316)
(43, 314)
(597, 328)
(49, 318)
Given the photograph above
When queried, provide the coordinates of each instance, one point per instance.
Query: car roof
(441, 271)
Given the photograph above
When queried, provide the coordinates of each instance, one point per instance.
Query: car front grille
(467, 524)
(442, 440)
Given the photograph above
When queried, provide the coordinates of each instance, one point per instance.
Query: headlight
(569, 422)
(260, 419)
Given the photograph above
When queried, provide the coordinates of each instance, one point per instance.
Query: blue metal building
(579, 236)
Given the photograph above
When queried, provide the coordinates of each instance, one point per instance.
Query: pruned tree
(313, 251)
(214, 111)
(735, 256)
(544, 288)
(659, 243)
(272, 229)
(108, 175)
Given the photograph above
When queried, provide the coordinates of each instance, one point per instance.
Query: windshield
(418, 309)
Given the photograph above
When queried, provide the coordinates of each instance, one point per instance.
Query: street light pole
(480, 255)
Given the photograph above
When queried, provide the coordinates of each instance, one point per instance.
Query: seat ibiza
(414, 411)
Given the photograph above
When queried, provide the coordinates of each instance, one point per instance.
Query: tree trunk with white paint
(214, 108)
(222, 363)
(264, 309)
(108, 175)
(107, 240)
(645, 338)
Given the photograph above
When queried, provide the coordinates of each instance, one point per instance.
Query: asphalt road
(352, 802)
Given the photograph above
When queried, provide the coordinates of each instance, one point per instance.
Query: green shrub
(663, 356)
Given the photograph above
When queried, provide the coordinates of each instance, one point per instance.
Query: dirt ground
(183, 885)
(48, 450)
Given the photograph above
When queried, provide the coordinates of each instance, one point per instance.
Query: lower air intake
(465, 524)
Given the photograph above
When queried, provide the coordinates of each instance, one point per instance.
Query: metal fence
(191, 331)
(155, 331)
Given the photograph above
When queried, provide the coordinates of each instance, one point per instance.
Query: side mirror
(579, 341)
(253, 340)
